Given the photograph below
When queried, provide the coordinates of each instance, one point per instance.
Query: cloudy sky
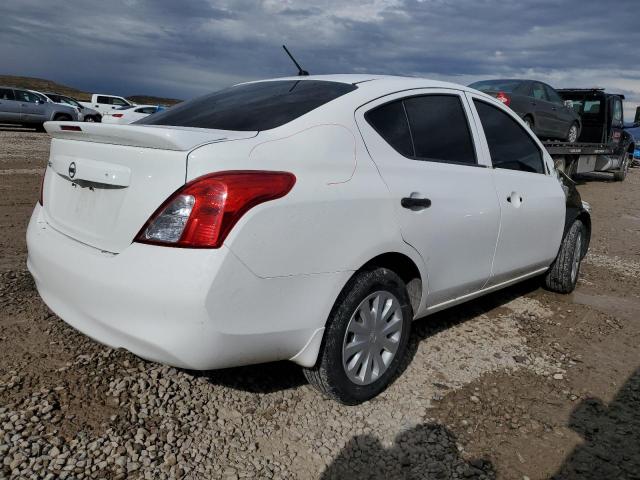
(183, 48)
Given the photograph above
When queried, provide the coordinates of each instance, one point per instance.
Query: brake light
(202, 213)
(117, 115)
(504, 98)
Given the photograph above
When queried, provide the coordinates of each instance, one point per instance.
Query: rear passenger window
(430, 127)
(439, 129)
(6, 94)
(390, 121)
(105, 100)
(509, 145)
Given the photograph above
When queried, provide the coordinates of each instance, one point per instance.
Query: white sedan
(308, 218)
(130, 114)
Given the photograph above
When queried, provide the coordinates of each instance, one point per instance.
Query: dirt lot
(520, 384)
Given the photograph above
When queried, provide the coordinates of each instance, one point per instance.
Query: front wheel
(562, 276)
(365, 339)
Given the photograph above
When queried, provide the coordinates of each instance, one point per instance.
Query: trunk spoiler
(145, 136)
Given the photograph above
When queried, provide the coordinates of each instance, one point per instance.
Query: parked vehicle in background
(107, 103)
(604, 145)
(85, 114)
(126, 115)
(307, 218)
(25, 107)
(538, 104)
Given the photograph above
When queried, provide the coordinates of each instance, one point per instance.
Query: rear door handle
(415, 203)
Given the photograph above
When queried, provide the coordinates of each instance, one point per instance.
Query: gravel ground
(520, 384)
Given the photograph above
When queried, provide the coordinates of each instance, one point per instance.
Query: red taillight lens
(202, 213)
(117, 115)
(504, 98)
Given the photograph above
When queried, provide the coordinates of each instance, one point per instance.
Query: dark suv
(539, 105)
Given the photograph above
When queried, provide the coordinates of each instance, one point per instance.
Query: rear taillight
(117, 115)
(202, 213)
(504, 98)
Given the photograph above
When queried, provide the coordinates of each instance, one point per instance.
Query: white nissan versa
(308, 218)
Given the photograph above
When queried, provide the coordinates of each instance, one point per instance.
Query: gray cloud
(183, 49)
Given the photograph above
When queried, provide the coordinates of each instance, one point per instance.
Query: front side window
(553, 96)
(429, 127)
(252, 106)
(24, 96)
(510, 146)
(537, 91)
(118, 101)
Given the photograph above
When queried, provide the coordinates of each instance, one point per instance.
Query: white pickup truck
(106, 103)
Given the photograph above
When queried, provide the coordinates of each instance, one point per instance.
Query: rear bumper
(196, 309)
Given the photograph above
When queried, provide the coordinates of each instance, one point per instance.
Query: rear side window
(509, 145)
(439, 129)
(390, 121)
(430, 127)
(6, 94)
(252, 107)
(105, 100)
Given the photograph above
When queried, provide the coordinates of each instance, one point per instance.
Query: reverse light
(504, 98)
(202, 213)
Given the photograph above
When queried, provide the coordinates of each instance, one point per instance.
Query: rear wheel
(572, 134)
(365, 339)
(562, 276)
(89, 119)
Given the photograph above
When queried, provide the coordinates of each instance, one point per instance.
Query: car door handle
(415, 203)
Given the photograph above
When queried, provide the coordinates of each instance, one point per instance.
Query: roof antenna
(301, 72)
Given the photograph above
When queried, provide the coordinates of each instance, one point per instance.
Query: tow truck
(603, 144)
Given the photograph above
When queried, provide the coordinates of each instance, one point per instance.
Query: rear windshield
(496, 85)
(252, 107)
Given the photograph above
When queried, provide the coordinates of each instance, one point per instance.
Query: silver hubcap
(573, 133)
(372, 338)
(576, 259)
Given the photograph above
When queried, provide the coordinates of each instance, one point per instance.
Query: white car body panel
(105, 108)
(267, 292)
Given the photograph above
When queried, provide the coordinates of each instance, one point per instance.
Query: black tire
(62, 117)
(90, 119)
(40, 127)
(621, 174)
(570, 133)
(328, 375)
(561, 276)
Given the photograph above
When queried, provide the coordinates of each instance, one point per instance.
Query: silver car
(85, 114)
(24, 107)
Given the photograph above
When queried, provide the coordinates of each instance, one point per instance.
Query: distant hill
(42, 85)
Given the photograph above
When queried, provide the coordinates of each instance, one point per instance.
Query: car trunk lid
(105, 181)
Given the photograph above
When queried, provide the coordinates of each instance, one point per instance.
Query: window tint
(252, 107)
(439, 129)
(553, 96)
(390, 121)
(508, 86)
(147, 110)
(6, 94)
(118, 101)
(537, 90)
(105, 100)
(509, 145)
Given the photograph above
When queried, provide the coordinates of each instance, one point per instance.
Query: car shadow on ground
(422, 452)
(602, 177)
(276, 376)
(611, 448)
(611, 435)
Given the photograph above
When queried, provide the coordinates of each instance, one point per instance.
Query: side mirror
(568, 103)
